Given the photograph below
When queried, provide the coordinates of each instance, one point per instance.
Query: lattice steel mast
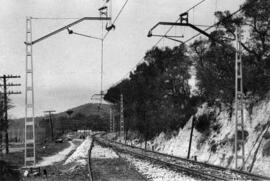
(30, 153)
(122, 122)
(239, 110)
(239, 106)
(30, 148)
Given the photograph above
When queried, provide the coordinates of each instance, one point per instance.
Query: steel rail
(121, 157)
(173, 166)
(215, 168)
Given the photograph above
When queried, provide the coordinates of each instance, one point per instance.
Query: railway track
(198, 169)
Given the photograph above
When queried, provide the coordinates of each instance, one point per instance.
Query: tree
(157, 92)
(215, 64)
(214, 70)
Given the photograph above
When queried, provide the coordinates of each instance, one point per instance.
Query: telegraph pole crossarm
(12, 92)
(10, 85)
(10, 76)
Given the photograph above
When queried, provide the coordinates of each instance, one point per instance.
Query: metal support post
(2, 121)
(5, 113)
(113, 122)
(190, 138)
(30, 153)
(30, 148)
(111, 125)
(239, 106)
(122, 123)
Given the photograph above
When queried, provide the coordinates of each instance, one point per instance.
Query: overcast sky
(67, 67)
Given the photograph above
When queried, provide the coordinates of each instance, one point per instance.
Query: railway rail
(198, 169)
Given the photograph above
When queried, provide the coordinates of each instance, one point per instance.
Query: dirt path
(55, 168)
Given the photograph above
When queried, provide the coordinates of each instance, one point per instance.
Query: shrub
(202, 124)
(214, 148)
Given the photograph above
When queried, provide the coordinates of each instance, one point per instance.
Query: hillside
(215, 144)
(88, 109)
(85, 109)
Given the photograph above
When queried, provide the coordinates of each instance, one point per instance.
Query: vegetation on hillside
(84, 117)
(157, 95)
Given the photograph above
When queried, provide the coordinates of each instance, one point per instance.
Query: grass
(60, 172)
(51, 148)
(9, 163)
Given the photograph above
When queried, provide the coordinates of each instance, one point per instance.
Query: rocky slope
(216, 145)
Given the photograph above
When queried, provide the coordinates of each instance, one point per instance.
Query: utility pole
(239, 105)
(69, 113)
(5, 85)
(239, 95)
(122, 122)
(111, 121)
(30, 145)
(190, 138)
(2, 121)
(49, 112)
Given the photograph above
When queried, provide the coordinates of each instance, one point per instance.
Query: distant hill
(88, 109)
(85, 109)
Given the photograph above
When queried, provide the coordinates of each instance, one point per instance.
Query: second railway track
(197, 169)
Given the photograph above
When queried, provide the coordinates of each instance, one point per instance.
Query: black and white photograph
(129, 90)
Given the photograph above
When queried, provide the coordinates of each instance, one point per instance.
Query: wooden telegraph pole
(49, 112)
(5, 86)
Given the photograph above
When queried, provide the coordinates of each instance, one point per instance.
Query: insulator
(109, 28)
(149, 34)
(103, 8)
(70, 31)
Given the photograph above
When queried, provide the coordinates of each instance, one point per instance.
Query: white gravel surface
(102, 152)
(81, 154)
(156, 172)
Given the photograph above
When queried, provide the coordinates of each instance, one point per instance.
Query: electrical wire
(164, 36)
(215, 24)
(206, 29)
(44, 18)
(170, 28)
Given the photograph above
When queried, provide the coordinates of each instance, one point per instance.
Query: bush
(202, 124)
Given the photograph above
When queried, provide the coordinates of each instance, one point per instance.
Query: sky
(67, 67)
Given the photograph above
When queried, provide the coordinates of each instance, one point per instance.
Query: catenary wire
(198, 34)
(166, 33)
